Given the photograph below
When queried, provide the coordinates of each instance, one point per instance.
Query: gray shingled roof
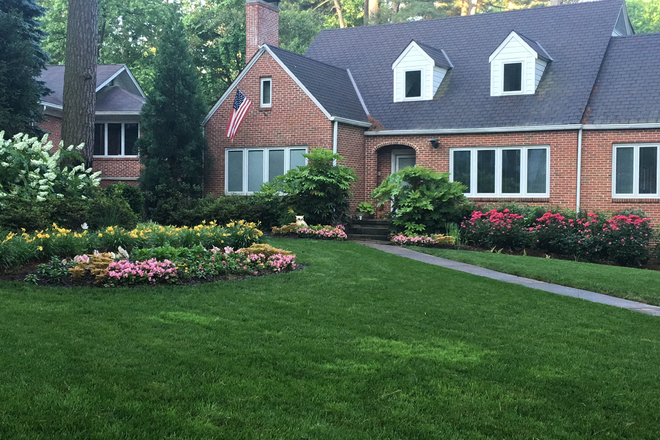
(576, 36)
(330, 85)
(53, 76)
(536, 47)
(116, 99)
(627, 90)
(438, 56)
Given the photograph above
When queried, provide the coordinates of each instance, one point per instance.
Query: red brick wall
(563, 158)
(53, 125)
(596, 181)
(117, 167)
(292, 120)
(350, 145)
(261, 26)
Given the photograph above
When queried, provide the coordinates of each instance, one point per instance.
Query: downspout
(579, 172)
(334, 142)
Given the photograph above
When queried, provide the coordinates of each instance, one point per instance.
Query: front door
(402, 159)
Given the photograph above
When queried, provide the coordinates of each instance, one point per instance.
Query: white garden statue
(300, 221)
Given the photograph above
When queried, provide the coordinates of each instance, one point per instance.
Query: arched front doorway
(393, 158)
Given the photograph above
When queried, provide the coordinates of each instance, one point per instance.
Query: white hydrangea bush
(29, 171)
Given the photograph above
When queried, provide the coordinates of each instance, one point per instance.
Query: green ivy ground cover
(623, 282)
(358, 345)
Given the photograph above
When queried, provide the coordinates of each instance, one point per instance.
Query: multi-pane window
(413, 84)
(116, 139)
(248, 168)
(512, 77)
(266, 92)
(502, 171)
(635, 171)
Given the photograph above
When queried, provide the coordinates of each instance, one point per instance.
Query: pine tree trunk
(80, 76)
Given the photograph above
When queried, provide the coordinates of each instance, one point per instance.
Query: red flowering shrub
(496, 229)
(626, 239)
(623, 239)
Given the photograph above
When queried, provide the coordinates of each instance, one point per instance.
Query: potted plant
(365, 210)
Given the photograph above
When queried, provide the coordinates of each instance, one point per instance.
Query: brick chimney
(262, 23)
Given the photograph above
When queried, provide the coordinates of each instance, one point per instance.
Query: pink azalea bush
(152, 271)
(323, 232)
(413, 240)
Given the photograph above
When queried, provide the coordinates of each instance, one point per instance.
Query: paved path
(534, 284)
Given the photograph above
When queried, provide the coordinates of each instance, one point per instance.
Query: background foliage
(130, 30)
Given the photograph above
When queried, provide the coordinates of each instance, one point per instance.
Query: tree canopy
(21, 63)
(130, 30)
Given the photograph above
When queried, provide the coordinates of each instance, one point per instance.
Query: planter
(363, 215)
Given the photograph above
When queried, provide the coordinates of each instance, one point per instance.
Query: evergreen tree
(172, 143)
(21, 63)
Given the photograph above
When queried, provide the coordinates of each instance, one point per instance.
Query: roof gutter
(352, 122)
(566, 127)
(474, 130)
(579, 172)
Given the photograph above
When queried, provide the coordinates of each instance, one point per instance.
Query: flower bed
(164, 265)
(423, 240)
(623, 239)
(19, 249)
(320, 232)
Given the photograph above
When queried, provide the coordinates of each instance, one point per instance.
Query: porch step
(368, 237)
(368, 229)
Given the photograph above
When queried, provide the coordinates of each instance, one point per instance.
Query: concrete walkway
(534, 284)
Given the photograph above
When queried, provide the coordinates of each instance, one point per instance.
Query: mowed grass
(623, 282)
(359, 345)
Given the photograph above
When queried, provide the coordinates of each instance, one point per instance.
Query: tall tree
(172, 145)
(21, 63)
(79, 97)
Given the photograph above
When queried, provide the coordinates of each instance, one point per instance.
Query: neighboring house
(119, 100)
(555, 105)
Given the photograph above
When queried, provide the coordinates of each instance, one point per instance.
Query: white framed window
(635, 169)
(512, 77)
(266, 92)
(502, 171)
(413, 84)
(247, 168)
(112, 139)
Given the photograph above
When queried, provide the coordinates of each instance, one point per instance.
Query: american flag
(241, 106)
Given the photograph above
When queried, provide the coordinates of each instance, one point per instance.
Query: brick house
(556, 105)
(119, 100)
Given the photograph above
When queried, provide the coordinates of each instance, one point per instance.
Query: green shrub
(319, 191)
(365, 207)
(110, 211)
(132, 194)
(423, 200)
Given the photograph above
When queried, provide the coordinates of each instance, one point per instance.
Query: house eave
(350, 121)
(564, 127)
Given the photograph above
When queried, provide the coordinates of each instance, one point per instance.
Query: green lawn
(624, 282)
(359, 345)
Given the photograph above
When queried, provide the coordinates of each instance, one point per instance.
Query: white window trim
(635, 194)
(522, 77)
(421, 85)
(123, 140)
(498, 171)
(261, 93)
(265, 150)
(401, 154)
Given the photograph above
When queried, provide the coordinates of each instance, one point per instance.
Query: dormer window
(512, 80)
(517, 66)
(413, 83)
(418, 72)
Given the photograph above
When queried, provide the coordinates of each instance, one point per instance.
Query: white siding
(540, 68)
(438, 75)
(514, 50)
